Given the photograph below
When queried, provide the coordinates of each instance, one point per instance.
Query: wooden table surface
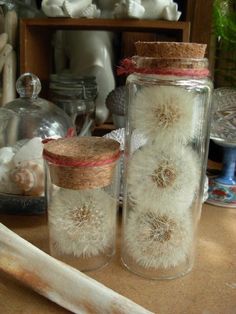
(209, 289)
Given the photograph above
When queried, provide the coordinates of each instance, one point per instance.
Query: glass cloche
(25, 123)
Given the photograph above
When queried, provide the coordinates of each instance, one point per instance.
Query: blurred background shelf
(36, 37)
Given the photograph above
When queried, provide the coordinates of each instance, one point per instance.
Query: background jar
(76, 96)
(169, 97)
(82, 200)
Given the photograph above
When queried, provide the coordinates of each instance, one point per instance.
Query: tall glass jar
(82, 199)
(167, 137)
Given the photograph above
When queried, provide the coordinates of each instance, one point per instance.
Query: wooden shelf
(108, 24)
(36, 37)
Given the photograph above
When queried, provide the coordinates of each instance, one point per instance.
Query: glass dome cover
(26, 121)
(34, 116)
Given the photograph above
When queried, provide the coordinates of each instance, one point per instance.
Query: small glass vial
(82, 200)
(76, 96)
(167, 137)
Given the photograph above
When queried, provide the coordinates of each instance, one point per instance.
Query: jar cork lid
(81, 162)
(81, 151)
(170, 50)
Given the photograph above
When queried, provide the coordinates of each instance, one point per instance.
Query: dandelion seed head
(157, 240)
(81, 215)
(165, 175)
(165, 112)
(160, 227)
(85, 224)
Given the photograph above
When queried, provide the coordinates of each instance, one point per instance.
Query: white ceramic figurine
(90, 53)
(141, 9)
(147, 9)
(70, 8)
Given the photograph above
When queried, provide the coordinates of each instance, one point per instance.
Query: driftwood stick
(59, 282)
(4, 55)
(9, 78)
(10, 25)
(2, 18)
(3, 40)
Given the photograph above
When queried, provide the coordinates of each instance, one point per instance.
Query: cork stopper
(81, 162)
(170, 50)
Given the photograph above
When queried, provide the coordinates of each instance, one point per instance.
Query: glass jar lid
(84, 151)
(81, 163)
(167, 58)
(34, 116)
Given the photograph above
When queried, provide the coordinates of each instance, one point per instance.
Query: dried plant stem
(6, 50)
(10, 26)
(3, 40)
(9, 78)
(57, 281)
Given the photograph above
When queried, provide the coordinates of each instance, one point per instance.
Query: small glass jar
(167, 137)
(29, 120)
(76, 96)
(82, 200)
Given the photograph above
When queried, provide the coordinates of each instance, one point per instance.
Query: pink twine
(78, 163)
(128, 66)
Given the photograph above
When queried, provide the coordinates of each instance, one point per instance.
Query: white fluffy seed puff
(156, 240)
(164, 175)
(164, 112)
(82, 223)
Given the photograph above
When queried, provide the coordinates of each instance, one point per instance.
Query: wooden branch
(10, 26)
(9, 79)
(2, 18)
(3, 40)
(4, 55)
(59, 282)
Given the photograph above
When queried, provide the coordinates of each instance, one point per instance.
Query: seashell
(28, 150)
(115, 101)
(6, 155)
(17, 146)
(137, 139)
(29, 177)
(117, 135)
(6, 184)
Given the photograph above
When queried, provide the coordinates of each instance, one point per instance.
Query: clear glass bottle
(76, 96)
(167, 137)
(29, 120)
(83, 199)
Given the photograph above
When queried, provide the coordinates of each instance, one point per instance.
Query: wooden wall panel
(199, 13)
